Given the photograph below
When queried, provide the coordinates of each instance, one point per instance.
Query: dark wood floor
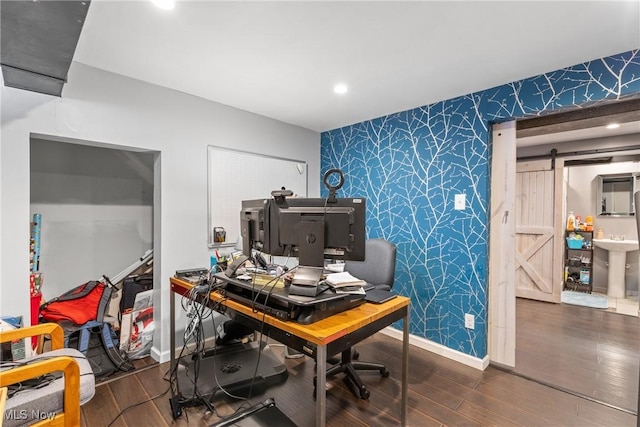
(441, 392)
(588, 351)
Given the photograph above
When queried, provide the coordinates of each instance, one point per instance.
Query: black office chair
(378, 269)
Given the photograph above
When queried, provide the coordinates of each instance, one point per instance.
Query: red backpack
(79, 305)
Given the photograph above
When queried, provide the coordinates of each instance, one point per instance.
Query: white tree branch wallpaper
(411, 164)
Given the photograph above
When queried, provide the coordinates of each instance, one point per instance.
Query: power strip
(192, 272)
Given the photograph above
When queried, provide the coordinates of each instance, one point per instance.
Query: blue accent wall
(411, 164)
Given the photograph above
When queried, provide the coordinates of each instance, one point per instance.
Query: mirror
(615, 194)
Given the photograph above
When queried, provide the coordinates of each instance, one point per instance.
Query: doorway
(96, 203)
(583, 191)
(502, 336)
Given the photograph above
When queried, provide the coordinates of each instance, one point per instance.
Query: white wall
(105, 109)
(97, 211)
(581, 199)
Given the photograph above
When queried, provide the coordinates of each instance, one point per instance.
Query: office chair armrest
(52, 329)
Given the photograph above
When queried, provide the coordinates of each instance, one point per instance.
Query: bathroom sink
(616, 245)
(617, 263)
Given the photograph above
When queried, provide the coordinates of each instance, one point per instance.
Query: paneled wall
(411, 164)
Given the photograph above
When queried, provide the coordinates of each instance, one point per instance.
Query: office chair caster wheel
(364, 393)
(384, 372)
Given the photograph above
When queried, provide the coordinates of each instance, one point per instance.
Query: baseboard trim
(458, 356)
(474, 362)
(165, 356)
(158, 356)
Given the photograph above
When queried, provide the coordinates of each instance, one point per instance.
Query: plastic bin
(575, 243)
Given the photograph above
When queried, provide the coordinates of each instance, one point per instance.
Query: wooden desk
(328, 336)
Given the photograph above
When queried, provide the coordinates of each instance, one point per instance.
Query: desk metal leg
(405, 369)
(321, 385)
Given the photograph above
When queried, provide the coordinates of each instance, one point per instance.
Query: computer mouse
(306, 315)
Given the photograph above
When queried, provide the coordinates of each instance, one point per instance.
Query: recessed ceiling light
(340, 88)
(164, 4)
(613, 125)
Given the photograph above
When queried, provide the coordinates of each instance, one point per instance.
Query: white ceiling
(282, 59)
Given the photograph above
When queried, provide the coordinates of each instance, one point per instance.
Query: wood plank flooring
(441, 392)
(588, 351)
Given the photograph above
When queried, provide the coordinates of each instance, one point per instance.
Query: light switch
(460, 201)
(469, 321)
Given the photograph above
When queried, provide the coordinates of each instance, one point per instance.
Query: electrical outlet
(459, 202)
(469, 321)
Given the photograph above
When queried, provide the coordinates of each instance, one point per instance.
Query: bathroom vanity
(617, 248)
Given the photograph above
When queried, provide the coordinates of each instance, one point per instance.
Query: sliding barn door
(539, 230)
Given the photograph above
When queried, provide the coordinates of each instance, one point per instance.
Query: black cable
(173, 372)
(198, 337)
(254, 301)
(138, 404)
(201, 312)
(257, 294)
(199, 315)
(40, 381)
(197, 397)
(272, 283)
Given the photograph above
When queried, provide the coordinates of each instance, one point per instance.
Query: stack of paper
(335, 267)
(345, 283)
(338, 280)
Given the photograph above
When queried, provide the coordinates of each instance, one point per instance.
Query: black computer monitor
(312, 229)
